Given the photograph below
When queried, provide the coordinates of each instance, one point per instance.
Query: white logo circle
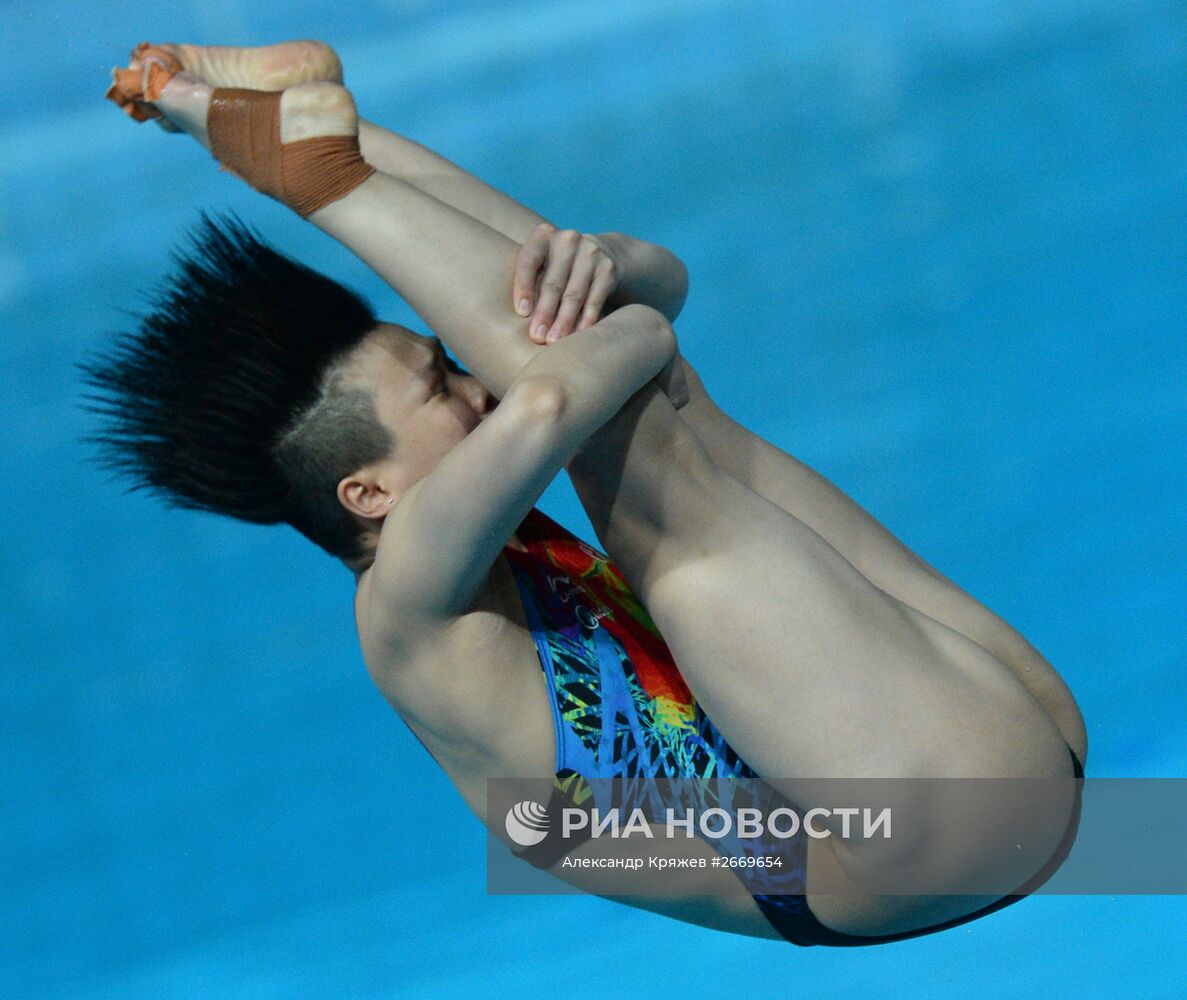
(527, 823)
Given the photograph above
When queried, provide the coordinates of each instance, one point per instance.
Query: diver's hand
(562, 280)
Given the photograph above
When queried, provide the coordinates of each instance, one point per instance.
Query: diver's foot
(307, 110)
(264, 67)
(138, 87)
(182, 104)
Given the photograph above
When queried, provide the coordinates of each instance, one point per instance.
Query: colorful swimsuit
(621, 709)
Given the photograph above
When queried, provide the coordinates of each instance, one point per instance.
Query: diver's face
(425, 401)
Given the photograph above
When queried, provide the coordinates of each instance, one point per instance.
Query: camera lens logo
(527, 823)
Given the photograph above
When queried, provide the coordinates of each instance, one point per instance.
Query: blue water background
(937, 251)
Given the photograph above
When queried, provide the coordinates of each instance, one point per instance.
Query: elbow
(537, 400)
(579, 384)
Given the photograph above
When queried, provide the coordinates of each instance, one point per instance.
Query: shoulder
(397, 639)
(469, 686)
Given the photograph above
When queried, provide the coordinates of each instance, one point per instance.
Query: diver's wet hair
(231, 395)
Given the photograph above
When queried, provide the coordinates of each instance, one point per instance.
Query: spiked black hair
(230, 397)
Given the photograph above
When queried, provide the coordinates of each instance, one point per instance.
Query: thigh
(889, 564)
(804, 665)
(882, 558)
(809, 669)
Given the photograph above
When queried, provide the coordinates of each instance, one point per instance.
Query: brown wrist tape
(244, 131)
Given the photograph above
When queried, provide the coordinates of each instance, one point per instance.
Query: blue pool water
(936, 251)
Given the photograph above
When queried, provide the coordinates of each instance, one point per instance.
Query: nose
(475, 394)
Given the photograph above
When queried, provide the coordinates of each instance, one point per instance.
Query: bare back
(473, 694)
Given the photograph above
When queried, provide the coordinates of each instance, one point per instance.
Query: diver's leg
(806, 667)
(809, 670)
(874, 551)
(287, 64)
(772, 473)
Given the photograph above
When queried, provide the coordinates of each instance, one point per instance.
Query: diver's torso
(475, 696)
(477, 700)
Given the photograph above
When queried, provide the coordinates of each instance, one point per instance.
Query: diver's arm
(438, 543)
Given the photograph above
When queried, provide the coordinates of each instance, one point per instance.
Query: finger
(604, 282)
(561, 250)
(528, 262)
(576, 292)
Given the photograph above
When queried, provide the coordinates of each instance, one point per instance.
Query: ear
(365, 496)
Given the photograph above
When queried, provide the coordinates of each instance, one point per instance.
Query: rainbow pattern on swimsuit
(620, 706)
